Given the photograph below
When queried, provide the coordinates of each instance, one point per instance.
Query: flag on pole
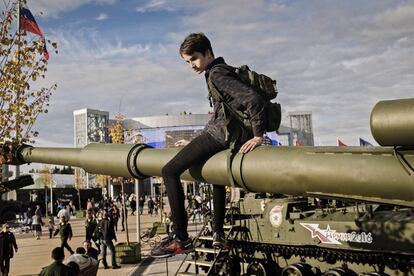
(364, 143)
(28, 23)
(340, 143)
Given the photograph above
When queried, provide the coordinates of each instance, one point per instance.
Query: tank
(305, 210)
(10, 208)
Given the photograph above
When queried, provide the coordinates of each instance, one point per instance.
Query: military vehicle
(310, 210)
(10, 208)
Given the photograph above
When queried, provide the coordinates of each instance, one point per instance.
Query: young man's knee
(169, 170)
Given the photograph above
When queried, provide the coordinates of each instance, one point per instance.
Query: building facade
(90, 126)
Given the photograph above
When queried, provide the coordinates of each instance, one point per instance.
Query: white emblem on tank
(276, 216)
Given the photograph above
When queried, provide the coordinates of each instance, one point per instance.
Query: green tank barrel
(392, 122)
(373, 174)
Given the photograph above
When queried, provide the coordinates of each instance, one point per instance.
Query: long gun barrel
(373, 174)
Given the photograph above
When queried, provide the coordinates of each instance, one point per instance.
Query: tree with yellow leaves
(21, 65)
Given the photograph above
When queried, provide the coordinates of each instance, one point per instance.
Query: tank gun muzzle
(392, 122)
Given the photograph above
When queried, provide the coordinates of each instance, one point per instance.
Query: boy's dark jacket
(238, 95)
(64, 230)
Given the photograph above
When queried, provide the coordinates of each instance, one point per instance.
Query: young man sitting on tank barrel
(218, 135)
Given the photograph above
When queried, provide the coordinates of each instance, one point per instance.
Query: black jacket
(238, 95)
(106, 230)
(7, 243)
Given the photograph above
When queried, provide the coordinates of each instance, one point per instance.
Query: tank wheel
(298, 269)
(257, 268)
(340, 272)
(227, 265)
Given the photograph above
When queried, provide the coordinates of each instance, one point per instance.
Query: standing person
(64, 212)
(133, 206)
(37, 226)
(150, 204)
(221, 132)
(89, 205)
(38, 211)
(124, 215)
(115, 216)
(7, 244)
(156, 205)
(57, 267)
(51, 227)
(141, 202)
(65, 232)
(90, 225)
(106, 235)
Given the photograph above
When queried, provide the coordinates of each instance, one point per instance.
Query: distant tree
(21, 65)
(46, 176)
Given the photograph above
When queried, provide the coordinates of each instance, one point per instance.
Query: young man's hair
(196, 42)
(80, 250)
(58, 254)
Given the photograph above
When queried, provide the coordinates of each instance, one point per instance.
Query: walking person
(65, 232)
(221, 132)
(7, 244)
(51, 227)
(106, 234)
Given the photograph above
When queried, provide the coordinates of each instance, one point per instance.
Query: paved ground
(34, 254)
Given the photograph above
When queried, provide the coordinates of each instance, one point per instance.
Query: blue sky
(335, 58)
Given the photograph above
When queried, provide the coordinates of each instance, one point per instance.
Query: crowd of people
(101, 224)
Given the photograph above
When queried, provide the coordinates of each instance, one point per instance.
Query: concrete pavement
(34, 254)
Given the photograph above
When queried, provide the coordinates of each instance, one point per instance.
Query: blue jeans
(107, 244)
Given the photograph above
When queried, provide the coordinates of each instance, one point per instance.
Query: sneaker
(115, 266)
(172, 246)
(219, 241)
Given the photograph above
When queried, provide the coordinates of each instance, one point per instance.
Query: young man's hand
(182, 143)
(251, 144)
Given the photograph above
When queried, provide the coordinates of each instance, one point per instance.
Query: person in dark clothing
(57, 268)
(124, 215)
(106, 234)
(115, 216)
(150, 204)
(141, 202)
(90, 251)
(90, 225)
(7, 244)
(65, 232)
(220, 132)
(133, 206)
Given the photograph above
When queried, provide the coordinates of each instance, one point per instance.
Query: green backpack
(261, 84)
